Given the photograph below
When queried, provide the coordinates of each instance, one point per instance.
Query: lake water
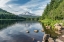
(15, 31)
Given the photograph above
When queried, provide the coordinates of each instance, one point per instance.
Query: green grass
(51, 22)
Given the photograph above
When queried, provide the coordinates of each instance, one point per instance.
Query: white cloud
(38, 12)
(3, 3)
(36, 7)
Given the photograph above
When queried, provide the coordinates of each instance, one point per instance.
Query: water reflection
(15, 31)
(5, 23)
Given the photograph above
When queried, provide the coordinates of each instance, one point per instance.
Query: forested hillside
(7, 15)
(54, 10)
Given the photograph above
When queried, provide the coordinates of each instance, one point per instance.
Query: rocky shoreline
(59, 29)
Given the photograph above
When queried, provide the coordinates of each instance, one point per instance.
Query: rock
(57, 32)
(42, 30)
(62, 26)
(36, 31)
(46, 37)
(57, 24)
(58, 40)
(58, 27)
(63, 36)
(50, 39)
(38, 41)
(27, 31)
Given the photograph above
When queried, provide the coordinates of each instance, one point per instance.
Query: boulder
(50, 39)
(58, 32)
(58, 40)
(63, 36)
(58, 26)
(46, 37)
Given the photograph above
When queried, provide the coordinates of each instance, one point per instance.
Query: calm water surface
(15, 31)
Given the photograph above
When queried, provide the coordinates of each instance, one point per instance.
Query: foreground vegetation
(53, 13)
(54, 10)
(49, 22)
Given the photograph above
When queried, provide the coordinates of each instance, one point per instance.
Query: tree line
(54, 10)
(7, 15)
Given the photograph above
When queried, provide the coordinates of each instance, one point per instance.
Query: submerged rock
(36, 31)
(38, 41)
(27, 31)
(42, 30)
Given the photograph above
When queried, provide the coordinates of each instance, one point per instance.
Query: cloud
(34, 6)
(3, 3)
(38, 12)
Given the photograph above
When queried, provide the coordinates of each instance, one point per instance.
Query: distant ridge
(7, 15)
(28, 15)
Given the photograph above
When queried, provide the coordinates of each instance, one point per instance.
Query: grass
(51, 22)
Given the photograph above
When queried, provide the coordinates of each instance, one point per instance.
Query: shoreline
(50, 24)
(11, 19)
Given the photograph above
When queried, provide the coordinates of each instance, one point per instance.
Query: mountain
(54, 10)
(28, 15)
(7, 15)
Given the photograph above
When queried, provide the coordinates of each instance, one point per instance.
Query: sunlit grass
(51, 22)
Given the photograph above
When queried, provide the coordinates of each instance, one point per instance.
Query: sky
(20, 6)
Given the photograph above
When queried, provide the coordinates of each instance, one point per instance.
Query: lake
(15, 31)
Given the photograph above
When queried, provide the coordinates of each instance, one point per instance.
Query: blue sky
(20, 6)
